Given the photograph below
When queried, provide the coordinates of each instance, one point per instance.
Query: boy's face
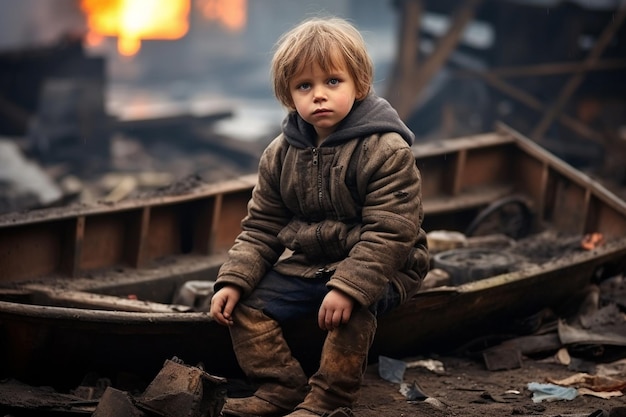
(322, 98)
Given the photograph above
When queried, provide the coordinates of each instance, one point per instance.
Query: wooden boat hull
(151, 249)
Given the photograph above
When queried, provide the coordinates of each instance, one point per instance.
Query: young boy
(333, 227)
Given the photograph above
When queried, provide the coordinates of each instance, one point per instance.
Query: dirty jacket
(349, 209)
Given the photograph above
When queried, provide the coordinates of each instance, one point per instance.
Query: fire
(231, 13)
(592, 240)
(134, 20)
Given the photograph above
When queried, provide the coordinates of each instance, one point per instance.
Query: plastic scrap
(592, 382)
(413, 392)
(594, 385)
(551, 392)
(430, 364)
(391, 370)
(603, 394)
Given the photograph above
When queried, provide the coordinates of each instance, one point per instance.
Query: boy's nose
(319, 94)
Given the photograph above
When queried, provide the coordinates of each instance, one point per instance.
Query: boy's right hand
(223, 303)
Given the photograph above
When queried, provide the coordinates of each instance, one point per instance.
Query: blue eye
(333, 81)
(304, 86)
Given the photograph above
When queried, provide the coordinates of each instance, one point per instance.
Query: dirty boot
(265, 358)
(251, 407)
(340, 412)
(343, 362)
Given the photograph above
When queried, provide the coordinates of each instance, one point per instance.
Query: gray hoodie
(372, 115)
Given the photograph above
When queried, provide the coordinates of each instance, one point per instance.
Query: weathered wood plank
(45, 295)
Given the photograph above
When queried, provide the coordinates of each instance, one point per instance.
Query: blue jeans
(284, 297)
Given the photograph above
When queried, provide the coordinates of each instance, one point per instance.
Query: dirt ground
(467, 388)
(464, 388)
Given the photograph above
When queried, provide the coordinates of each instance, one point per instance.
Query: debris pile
(62, 146)
(176, 387)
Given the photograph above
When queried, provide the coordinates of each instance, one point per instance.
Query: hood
(367, 117)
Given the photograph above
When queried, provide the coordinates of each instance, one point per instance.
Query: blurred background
(109, 99)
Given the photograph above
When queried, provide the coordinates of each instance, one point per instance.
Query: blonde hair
(332, 43)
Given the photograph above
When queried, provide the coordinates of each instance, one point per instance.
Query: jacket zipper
(316, 164)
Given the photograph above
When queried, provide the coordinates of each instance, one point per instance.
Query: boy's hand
(223, 303)
(336, 309)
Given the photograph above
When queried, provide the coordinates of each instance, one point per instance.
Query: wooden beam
(424, 74)
(409, 51)
(576, 79)
(547, 69)
(80, 299)
(445, 46)
(535, 104)
(73, 248)
(137, 236)
(459, 172)
(407, 54)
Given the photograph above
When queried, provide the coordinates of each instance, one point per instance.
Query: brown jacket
(350, 208)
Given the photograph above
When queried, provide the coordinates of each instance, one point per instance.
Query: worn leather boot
(337, 383)
(251, 407)
(265, 358)
(301, 412)
(340, 412)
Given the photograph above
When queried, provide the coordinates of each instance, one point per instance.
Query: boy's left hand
(336, 309)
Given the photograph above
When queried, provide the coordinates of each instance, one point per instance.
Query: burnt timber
(556, 80)
(67, 273)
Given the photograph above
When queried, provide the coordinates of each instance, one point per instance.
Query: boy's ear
(361, 95)
(289, 105)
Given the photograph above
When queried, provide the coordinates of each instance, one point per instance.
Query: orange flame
(231, 13)
(592, 240)
(134, 20)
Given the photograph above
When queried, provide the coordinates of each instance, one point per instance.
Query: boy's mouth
(320, 111)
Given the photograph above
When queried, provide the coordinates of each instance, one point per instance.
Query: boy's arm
(391, 222)
(257, 247)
